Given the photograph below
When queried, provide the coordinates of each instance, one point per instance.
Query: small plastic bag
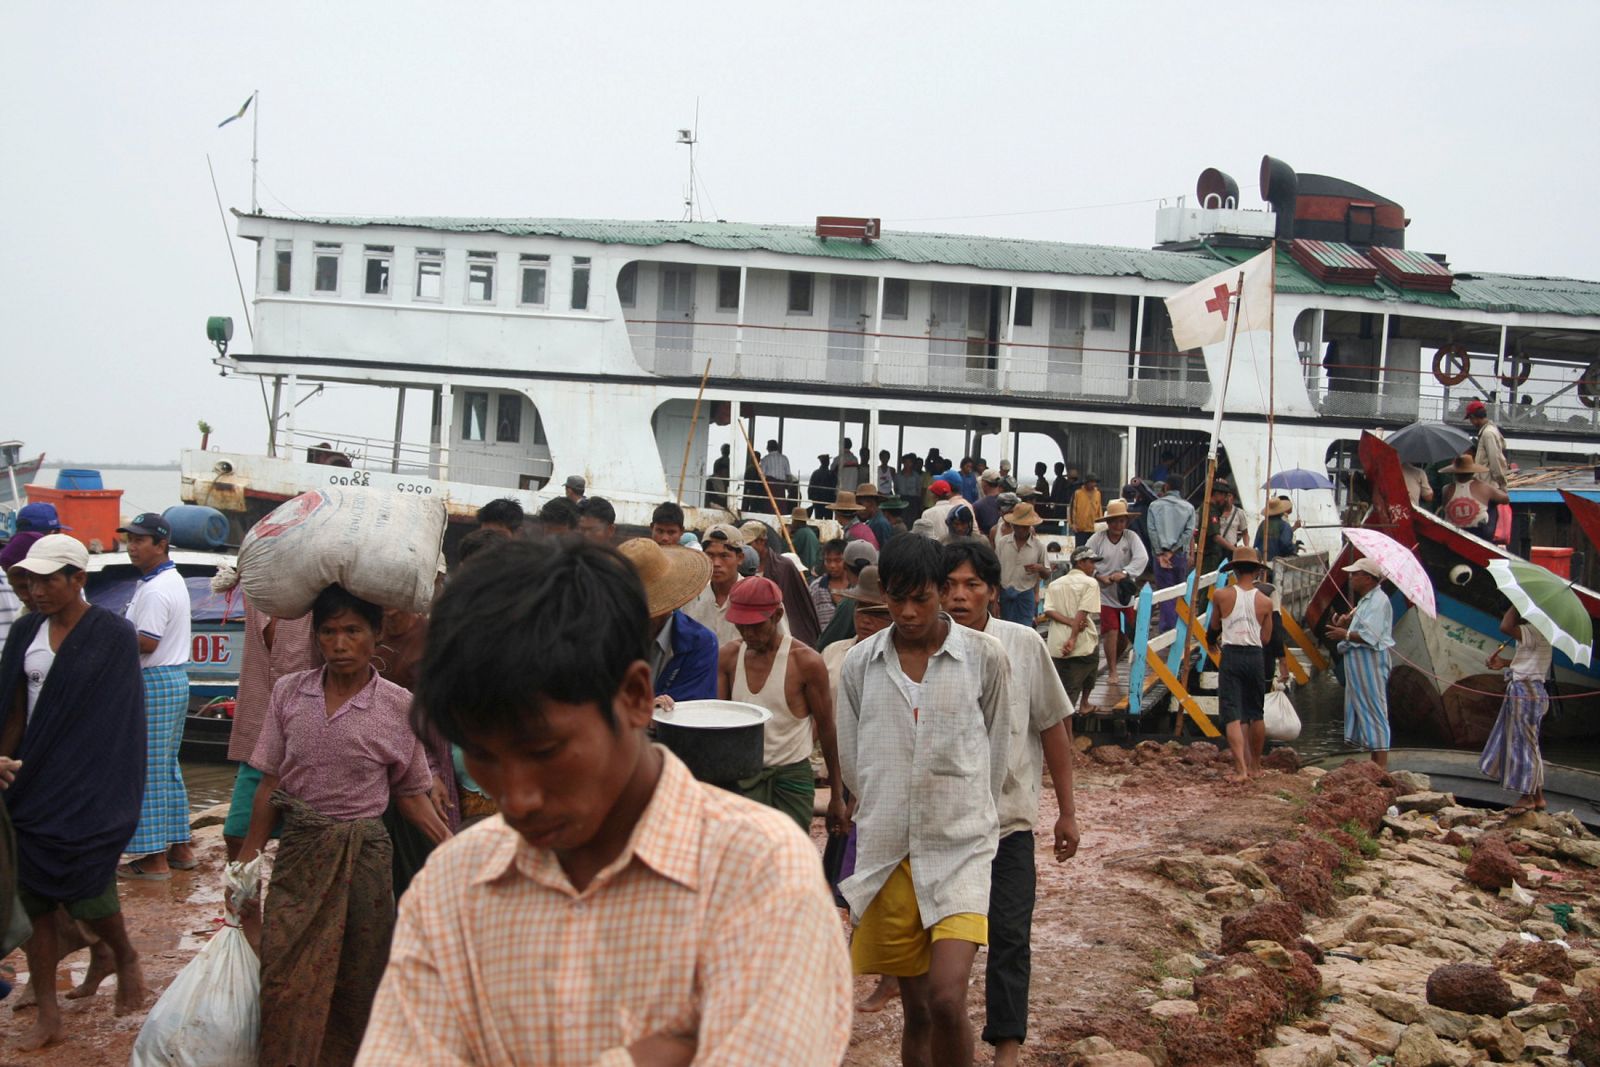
(1281, 721)
(210, 1016)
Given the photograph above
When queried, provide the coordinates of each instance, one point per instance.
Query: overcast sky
(1007, 119)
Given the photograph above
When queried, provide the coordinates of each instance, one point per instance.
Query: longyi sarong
(164, 813)
(1512, 754)
(325, 934)
(1366, 698)
(790, 788)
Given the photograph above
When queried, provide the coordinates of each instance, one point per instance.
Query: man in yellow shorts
(923, 728)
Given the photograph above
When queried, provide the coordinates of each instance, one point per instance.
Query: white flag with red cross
(1200, 312)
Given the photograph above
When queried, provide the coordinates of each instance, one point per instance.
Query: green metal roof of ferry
(1473, 291)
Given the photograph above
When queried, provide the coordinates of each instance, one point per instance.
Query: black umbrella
(1423, 443)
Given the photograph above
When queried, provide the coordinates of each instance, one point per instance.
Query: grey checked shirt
(927, 785)
(1039, 701)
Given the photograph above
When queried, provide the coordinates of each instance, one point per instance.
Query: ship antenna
(690, 137)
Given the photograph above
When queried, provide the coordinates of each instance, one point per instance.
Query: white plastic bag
(210, 1016)
(382, 546)
(1281, 721)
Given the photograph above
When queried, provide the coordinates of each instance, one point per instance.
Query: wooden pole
(694, 423)
(1203, 531)
(750, 451)
(1272, 385)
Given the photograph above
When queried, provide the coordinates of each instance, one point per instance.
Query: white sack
(210, 1016)
(382, 546)
(1280, 719)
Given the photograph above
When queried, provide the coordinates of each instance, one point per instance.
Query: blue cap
(41, 518)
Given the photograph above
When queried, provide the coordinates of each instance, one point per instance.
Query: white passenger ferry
(551, 347)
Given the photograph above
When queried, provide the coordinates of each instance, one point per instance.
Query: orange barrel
(1555, 560)
(93, 514)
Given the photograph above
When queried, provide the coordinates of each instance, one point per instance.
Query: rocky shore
(1391, 926)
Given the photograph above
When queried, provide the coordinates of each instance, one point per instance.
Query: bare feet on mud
(102, 964)
(42, 1033)
(131, 991)
(888, 989)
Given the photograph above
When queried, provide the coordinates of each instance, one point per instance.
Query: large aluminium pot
(719, 740)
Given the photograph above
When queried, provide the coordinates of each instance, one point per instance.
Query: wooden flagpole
(750, 451)
(1203, 531)
(694, 424)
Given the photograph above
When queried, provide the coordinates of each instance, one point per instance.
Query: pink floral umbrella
(1398, 565)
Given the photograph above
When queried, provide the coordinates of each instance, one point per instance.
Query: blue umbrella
(1298, 478)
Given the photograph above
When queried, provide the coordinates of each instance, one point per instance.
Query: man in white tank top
(767, 667)
(1242, 616)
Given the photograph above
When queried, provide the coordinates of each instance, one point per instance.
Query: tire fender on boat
(1451, 364)
(1589, 386)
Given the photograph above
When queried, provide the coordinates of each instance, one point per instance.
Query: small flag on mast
(238, 114)
(1200, 312)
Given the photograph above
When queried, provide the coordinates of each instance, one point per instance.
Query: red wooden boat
(1440, 687)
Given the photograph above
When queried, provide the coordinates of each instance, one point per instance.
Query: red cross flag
(1200, 312)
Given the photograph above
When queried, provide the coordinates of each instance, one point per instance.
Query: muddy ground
(1104, 925)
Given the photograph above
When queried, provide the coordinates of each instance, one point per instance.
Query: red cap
(754, 600)
(1476, 408)
(940, 488)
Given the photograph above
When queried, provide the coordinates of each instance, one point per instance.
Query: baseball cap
(576, 483)
(16, 549)
(753, 600)
(726, 533)
(149, 523)
(49, 554)
(41, 518)
(1364, 566)
(1476, 408)
(990, 477)
(940, 488)
(753, 530)
(1081, 554)
(859, 554)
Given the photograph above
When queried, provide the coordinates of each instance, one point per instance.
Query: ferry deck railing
(513, 471)
(1085, 373)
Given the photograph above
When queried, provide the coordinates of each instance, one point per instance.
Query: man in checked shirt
(616, 912)
(924, 727)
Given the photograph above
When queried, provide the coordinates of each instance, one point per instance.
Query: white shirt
(926, 783)
(10, 608)
(1127, 555)
(160, 610)
(1038, 702)
(1531, 661)
(775, 465)
(36, 664)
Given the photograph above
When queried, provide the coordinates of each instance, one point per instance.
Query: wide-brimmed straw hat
(867, 590)
(845, 501)
(799, 517)
(672, 575)
(868, 491)
(1277, 506)
(1243, 556)
(1024, 515)
(1117, 509)
(1465, 464)
(895, 503)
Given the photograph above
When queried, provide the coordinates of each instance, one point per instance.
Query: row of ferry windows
(533, 288)
(533, 282)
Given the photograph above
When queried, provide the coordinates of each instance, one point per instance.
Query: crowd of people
(488, 765)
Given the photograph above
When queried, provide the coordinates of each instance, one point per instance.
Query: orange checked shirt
(714, 920)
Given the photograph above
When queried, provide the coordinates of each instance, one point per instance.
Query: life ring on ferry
(1451, 364)
(1518, 371)
(1589, 386)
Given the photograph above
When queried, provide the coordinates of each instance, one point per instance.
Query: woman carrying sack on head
(336, 745)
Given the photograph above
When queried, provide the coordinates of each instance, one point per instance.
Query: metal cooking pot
(720, 741)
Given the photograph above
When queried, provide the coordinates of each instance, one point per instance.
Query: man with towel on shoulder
(773, 670)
